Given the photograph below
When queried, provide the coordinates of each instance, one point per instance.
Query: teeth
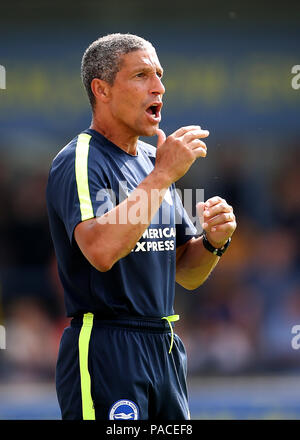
(153, 110)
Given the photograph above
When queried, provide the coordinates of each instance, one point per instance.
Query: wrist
(215, 244)
(217, 249)
(162, 180)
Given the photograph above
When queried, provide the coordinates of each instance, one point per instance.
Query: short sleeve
(185, 229)
(79, 186)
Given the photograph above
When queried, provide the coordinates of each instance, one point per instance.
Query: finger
(200, 208)
(196, 143)
(161, 137)
(200, 152)
(213, 201)
(225, 217)
(228, 228)
(217, 209)
(194, 134)
(181, 131)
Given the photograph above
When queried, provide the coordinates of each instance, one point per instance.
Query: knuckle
(228, 227)
(217, 199)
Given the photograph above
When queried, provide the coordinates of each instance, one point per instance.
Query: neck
(115, 134)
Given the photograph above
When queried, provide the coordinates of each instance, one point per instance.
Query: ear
(101, 89)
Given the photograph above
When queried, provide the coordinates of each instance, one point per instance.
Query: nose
(157, 86)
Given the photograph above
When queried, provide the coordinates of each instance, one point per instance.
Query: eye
(140, 75)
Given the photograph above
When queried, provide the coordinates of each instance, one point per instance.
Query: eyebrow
(145, 67)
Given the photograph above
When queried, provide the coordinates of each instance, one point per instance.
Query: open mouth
(154, 111)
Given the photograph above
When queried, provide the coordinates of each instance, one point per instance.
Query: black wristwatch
(216, 251)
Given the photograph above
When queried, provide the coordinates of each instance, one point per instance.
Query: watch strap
(216, 251)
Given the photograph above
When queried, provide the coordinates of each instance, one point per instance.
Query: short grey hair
(102, 59)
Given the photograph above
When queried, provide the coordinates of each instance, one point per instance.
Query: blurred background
(228, 68)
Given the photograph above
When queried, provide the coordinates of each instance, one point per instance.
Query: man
(118, 252)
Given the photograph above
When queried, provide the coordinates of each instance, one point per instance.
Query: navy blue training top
(88, 177)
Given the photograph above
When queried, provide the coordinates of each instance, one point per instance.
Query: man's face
(136, 95)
